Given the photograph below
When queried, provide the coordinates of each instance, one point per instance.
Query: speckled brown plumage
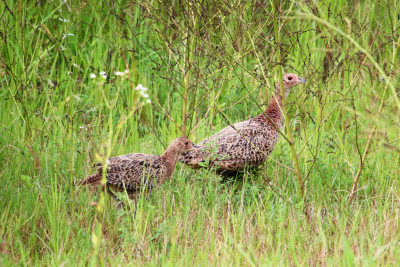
(246, 143)
(136, 172)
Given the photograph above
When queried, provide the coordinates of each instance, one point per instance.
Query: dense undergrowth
(69, 96)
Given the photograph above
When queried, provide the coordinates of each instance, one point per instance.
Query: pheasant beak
(302, 80)
(195, 146)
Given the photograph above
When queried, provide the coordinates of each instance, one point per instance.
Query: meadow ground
(70, 96)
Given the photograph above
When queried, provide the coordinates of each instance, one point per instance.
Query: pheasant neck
(273, 115)
(170, 157)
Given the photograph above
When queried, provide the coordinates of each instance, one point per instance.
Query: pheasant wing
(129, 171)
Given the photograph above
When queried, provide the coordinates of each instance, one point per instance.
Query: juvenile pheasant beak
(195, 146)
(302, 80)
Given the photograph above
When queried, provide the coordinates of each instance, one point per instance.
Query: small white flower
(75, 65)
(126, 71)
(92, 75)
(77, 97)
(68, 34)
(104, 76)
(93, 109)
(118, 73)
(63, 20)
(141, 88)
(148, 101)
(145, 95)
(62, 48)
(102, 73)
(50, 83)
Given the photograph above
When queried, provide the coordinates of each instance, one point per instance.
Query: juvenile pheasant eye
(290, 78)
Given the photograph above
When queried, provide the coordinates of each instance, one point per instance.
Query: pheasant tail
(94, 179)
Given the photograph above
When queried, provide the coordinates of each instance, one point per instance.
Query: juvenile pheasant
(136, 171)
(246, 143)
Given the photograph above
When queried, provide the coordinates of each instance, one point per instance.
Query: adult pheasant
(246, 143)
(136, 172)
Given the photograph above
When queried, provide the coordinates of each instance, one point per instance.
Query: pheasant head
(289, 80)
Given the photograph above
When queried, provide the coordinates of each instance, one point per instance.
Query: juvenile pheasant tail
(94, 179)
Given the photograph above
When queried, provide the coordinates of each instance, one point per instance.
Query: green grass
(205, 65)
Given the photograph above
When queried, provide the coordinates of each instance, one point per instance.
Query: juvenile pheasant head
(290, 80)
(181, 144)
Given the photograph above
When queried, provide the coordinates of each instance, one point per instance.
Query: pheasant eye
(290, 78)
(186, 143)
